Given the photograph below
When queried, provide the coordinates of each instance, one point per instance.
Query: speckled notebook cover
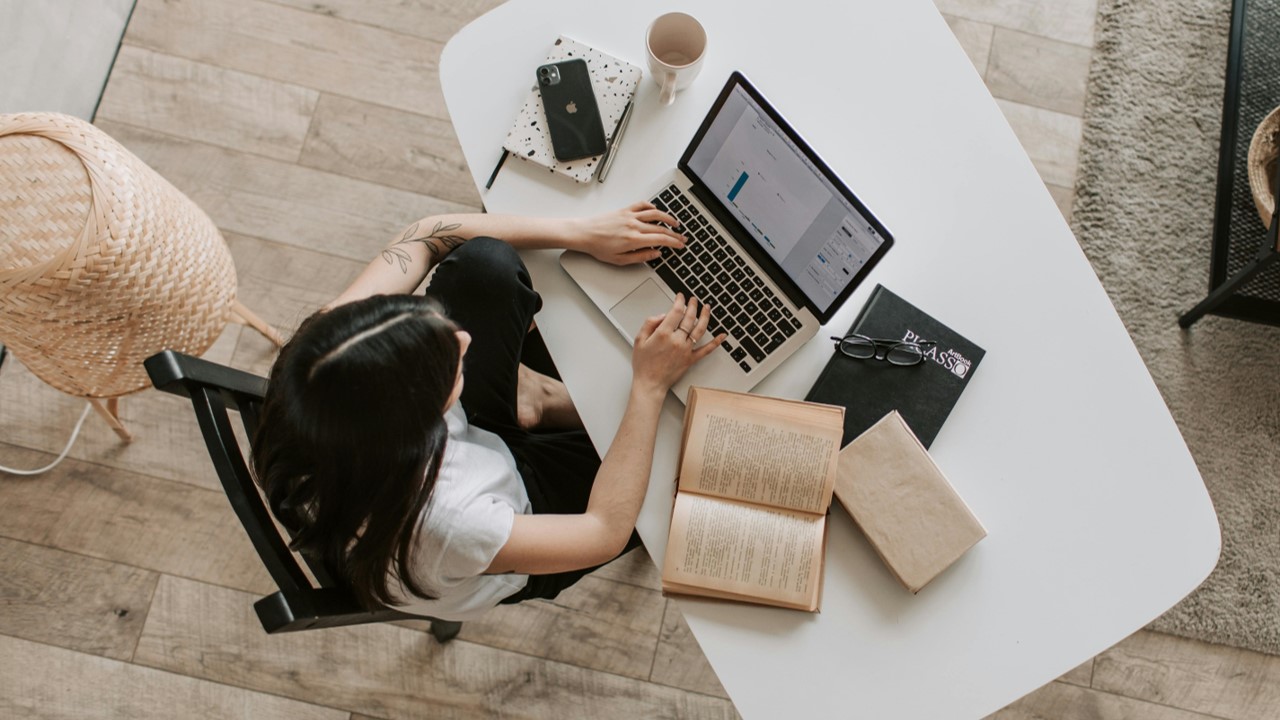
(614, 82)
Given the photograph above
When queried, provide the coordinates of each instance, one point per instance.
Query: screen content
(788, 206)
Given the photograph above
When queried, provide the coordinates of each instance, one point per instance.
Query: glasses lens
(858, 347)
(904, 354)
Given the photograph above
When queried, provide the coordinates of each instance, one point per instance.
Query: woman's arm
(665, 349)
(620, 237)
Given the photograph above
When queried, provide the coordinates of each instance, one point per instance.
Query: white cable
(74, 433)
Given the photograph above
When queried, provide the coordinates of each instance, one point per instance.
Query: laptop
(775, 243)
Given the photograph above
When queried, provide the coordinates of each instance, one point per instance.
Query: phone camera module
(548, 75)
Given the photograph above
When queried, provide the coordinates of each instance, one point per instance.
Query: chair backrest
(215, 391)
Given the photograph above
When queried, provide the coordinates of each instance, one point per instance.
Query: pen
(496, 168)
(617, 138)
(613, 143)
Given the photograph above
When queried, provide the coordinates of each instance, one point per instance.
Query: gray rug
(1143, 213)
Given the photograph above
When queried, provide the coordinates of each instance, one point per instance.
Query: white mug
(676, 43)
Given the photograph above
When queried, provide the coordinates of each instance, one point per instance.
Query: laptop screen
(784, 197)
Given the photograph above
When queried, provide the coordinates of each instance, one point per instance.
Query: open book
(750, 516)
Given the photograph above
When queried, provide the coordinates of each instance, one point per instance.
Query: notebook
(776, 242)
(614, 82)
(924, 394)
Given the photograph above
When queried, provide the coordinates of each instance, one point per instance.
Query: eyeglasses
(893, 351)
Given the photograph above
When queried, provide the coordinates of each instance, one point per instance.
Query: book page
(763, 450)
(747, 550)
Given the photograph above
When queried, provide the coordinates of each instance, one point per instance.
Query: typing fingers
(710, 347)
(675, 315)
(690, 319)
(654, 215)
(700, 326)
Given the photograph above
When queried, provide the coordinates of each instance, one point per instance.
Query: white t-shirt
(466, 522)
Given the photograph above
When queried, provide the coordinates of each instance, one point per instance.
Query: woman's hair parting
(352, 433)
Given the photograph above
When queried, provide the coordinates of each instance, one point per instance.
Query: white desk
(1098, 518)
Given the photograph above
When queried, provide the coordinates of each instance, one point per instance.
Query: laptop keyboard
(713, 270)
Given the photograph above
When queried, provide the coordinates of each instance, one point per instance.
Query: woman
(423, 447)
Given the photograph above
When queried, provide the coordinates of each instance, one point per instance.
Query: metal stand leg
(1227, 289)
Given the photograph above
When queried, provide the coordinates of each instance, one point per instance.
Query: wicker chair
(103, 263)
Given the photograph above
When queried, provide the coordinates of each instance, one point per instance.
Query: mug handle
(668, 88)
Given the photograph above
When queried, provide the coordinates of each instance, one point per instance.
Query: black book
(869, 389)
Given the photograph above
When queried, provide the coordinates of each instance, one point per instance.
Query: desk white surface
(1098, 520)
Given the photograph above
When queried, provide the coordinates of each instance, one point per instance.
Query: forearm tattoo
(439, 242)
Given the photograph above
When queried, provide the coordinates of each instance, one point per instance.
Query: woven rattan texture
(1263, 153)
(102, 262)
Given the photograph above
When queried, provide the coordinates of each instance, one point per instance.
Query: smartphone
(573, 118)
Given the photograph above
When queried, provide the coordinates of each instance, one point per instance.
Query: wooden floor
(310, 130)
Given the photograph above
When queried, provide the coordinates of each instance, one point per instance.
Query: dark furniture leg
(1228, 288)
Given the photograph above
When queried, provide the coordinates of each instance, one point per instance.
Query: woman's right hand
(667, 345)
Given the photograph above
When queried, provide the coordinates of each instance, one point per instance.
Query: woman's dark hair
(352, 433)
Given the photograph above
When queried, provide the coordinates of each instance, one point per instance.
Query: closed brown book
(889, 484)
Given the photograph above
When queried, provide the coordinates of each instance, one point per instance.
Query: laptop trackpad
(643, 303)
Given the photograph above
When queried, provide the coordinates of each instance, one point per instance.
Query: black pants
(485, 289)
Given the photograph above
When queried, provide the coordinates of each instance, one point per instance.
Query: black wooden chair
(215, 391)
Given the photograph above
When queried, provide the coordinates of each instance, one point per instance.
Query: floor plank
(385, 670)
(396, 148)
(124, 517)
(1060, 701)
(1065, 20)
(679, 661)
(597, 623)
(1051, 139)
(435, 20)
(1081, 674)
(311, 49)
(1064, 197)
(1222, 681)
(286, 203)
(48, 683)
(284, 284)
(208, 103)
(72, 601)
(975, 38)
(1037, 71)
(167, 442)
(634, 568)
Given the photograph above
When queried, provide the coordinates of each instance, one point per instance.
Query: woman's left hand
(630, 235)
